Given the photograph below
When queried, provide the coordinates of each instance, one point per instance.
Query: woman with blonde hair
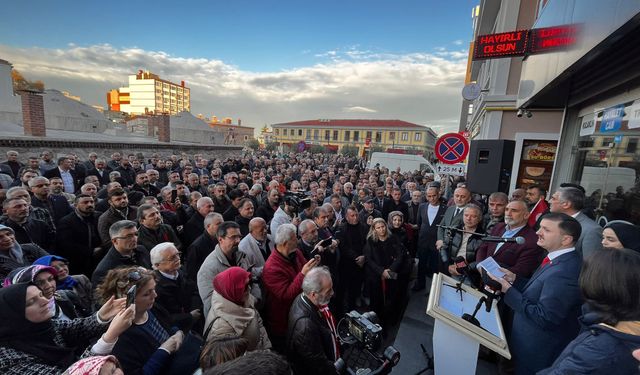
(384, 255)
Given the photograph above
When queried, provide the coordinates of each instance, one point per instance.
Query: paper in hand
(492, 267)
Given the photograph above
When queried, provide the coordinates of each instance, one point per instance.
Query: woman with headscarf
(96, 365)
(13, 255)
(621, 234)
(384, 260)
(611, 315)
(44, 277)
(77, 287)
(233, 311)
(31, 343)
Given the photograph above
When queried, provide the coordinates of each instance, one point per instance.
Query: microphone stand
(472, 318)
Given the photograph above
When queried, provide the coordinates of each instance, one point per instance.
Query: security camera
(528, 113)
(519, 113)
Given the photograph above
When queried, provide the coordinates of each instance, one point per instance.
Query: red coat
(519, 259)
(282, 281)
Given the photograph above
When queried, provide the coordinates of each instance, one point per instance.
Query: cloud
(358, 109)
(418, 87)
(458, 42)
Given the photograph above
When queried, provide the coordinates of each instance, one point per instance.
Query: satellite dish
(471, 91)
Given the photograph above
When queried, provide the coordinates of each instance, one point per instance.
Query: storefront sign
(588, 125)
(633, 113)
(612, 119)
(549, 39)
(523, 42)
(513, 43)
(539, 150)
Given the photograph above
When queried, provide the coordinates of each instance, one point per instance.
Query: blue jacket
(546, 309)
(598, 350)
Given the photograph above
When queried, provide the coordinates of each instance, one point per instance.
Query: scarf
(328, 317)
(231, 284)
(36, 339)
(27, 274)
(90, 365)
(67, 283)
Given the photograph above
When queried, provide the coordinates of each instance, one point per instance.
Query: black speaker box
(490, 163)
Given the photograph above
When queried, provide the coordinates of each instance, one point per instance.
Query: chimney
(161, 122)
(33, 113)
(182, 83)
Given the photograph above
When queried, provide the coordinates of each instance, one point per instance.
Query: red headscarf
(231, 284)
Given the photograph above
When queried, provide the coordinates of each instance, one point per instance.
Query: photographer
(287, 213)
(312, 338)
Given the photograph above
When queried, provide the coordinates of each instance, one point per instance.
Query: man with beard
(152, 231)
(142, 185)
(57, 206)
(57, 189)
(225, 255)
(78, 238)
(269, 206)
(352, 235)
(220, 199)
(119, 209)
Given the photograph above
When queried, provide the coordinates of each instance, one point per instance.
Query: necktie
(457, 212)
(545, 261)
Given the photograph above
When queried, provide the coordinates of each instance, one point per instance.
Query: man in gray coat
(225, 255)
(570, 200)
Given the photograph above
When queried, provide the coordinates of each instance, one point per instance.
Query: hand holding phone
(131, 295)
(327, 242)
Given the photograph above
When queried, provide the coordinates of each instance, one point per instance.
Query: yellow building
(389, 135)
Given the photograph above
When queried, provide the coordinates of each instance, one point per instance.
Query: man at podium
(546, 306)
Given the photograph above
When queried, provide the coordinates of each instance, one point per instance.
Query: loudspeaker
(490, 163)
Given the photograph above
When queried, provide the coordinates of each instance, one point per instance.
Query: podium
(456, 341)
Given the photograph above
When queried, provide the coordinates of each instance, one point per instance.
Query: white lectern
(455, 340)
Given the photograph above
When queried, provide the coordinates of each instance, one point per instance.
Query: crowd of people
(188, 263)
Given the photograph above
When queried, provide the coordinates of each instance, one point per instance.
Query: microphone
(519, 240)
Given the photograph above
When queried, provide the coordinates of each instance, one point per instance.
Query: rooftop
(358, 123)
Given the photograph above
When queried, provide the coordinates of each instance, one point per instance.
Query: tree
(317, 149)
(349, 150)
(21, 83)
(271, 146)
(377, 148)
(253, 144)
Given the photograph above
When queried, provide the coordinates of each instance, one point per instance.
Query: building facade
(596, 85)
(149, 94)
(388, 135)
(493, 113)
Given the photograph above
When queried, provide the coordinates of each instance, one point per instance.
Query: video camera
(297, 201)
(364, 328)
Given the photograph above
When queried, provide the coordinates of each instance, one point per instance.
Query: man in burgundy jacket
(282, 277)
(519, 259)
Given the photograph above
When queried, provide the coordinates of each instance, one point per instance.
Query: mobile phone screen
(131, 296)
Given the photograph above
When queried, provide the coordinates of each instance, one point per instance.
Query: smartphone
(327, 242)
(131, 295)
(174, 195)
(393, 275)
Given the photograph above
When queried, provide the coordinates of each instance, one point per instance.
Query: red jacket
(282, 282)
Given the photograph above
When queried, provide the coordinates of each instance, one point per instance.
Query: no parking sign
(452, 148)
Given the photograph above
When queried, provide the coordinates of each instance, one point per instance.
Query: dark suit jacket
(519, 259)
(428, 233)
(104, 179)
(76, 239)
(449, 220)
(546, 309)
(57, 205)
(381, 207)
(55, 172)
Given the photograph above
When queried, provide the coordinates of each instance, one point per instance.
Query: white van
(594, 178)
(406, 162)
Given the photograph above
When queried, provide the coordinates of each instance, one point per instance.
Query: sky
(262, 61)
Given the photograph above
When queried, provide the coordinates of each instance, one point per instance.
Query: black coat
(57, 205)
(113, 259)
(104, 179)
(178, 297)
(33, 231)
(30, 252)
(309, 341)
(197, 253)
(192, 229)
(77, 182)
(76, 239)
(149, 238)
(353, 239)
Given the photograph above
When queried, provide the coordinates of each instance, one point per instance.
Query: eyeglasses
(174, 258)
(127, 237)
(235, 236)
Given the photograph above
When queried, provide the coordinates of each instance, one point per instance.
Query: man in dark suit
(570, 200)
(521, 259)
(546, 307)
(380, 202)
(77, 238)
(395, 204)
(101, 171)
(57, 205)
(430, 214)
(68, 175)
(453, 215)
